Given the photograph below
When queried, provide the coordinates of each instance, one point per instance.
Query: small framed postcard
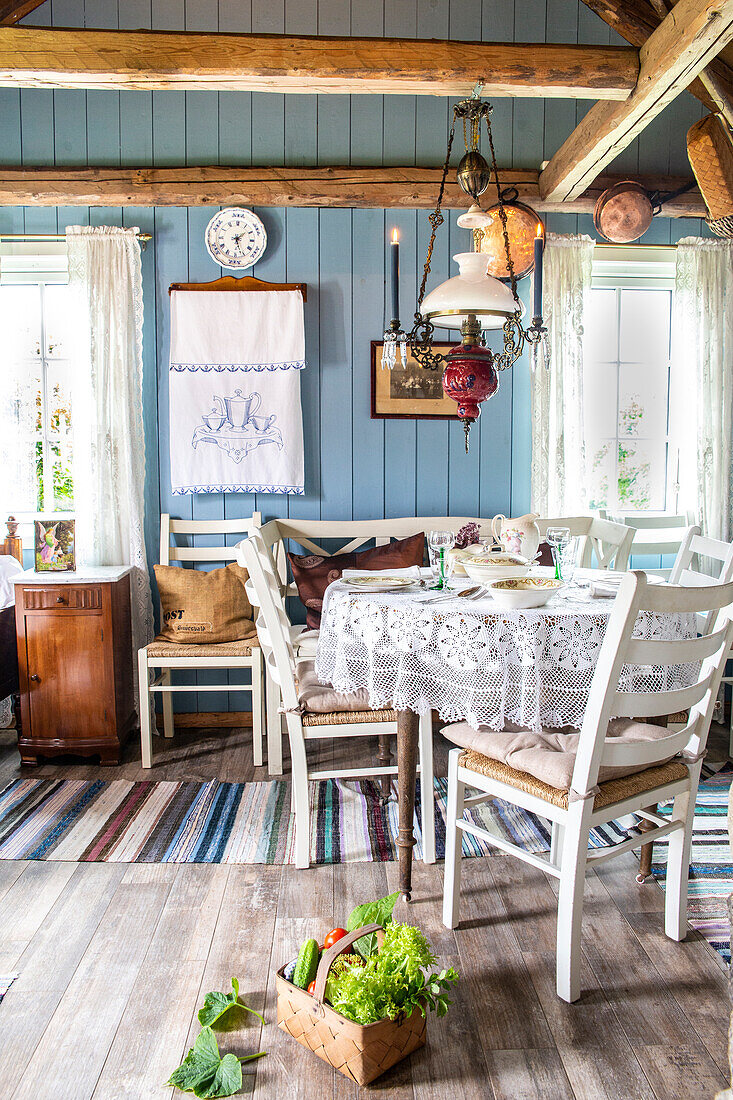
(55, 546)
(409, 392)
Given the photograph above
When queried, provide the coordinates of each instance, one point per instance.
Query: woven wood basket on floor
(362, 1052)
(711, 156)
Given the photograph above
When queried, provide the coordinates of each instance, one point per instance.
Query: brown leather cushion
(544, 551)
(321, 698)
(313, 574)
(204, 607)
(550, 755)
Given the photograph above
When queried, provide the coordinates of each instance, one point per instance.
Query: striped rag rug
(175, 822)
(6, 980)
(711, 865)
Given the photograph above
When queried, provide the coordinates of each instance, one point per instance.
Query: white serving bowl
(486, 568)
(524, 592)
(459, 555)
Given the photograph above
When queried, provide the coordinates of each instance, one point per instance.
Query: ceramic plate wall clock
(236, 238)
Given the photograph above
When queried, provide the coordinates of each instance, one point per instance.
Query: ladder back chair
(609, 771)
(610, 542)
(655, 535)
(314, 711)
(717, 556)
(164, 656)
(309, 535)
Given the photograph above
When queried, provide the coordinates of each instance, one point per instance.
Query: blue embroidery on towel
(290, 490)
(296, 364)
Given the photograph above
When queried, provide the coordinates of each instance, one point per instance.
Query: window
(35, 391)
(626, 379)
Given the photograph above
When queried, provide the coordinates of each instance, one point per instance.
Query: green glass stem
(556, 556)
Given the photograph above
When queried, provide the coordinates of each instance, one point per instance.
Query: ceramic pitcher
(517, 536)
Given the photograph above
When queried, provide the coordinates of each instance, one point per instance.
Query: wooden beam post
(682, 45)
(350, 187)
(36, 57)
(13, 10)
(635, 21)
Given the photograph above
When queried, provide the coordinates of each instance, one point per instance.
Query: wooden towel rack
(247, 282)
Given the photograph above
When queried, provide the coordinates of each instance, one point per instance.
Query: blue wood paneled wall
(355, 466)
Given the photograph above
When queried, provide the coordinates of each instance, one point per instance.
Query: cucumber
(307, 964)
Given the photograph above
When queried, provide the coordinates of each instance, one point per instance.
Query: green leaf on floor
(225, 1010)
(205, 1073)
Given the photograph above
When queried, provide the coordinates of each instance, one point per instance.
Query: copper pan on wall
(624, 212)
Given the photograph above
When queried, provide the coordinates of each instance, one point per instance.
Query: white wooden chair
(352, 535)
(167, 656)
(347, 716)
(609, 542)
(655, 535)
(587, 803)
(717, 556)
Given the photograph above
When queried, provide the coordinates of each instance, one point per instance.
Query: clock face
(236, 237)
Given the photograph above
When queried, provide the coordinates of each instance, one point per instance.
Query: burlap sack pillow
(204, 607)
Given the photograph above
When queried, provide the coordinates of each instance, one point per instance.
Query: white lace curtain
(109, 446)
(558, 448)
(701, 391)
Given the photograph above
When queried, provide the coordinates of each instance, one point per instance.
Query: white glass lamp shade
(471, 291)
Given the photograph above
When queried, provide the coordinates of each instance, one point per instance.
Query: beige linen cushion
(550, 755)
(321, 698)
(204, 607)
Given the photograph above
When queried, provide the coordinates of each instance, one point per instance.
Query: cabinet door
(66, 685)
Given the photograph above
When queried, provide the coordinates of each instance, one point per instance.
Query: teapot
(238, 409)
(517, 536)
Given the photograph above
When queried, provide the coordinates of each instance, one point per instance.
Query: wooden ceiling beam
(686, 41)
(38, 57)
(635, 21)
(13, 10)
(376, 188)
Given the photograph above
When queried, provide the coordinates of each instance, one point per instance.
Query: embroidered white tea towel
(236, 424)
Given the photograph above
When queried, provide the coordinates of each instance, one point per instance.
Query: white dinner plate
(380, 584)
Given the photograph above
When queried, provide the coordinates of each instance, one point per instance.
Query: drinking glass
(567, 559)
(438, 543)
(557, 537)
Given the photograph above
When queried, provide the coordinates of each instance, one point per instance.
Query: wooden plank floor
(114, 962)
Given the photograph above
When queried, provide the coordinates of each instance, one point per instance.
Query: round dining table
(416, 650)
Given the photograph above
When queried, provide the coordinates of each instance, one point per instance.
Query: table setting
(422, 640)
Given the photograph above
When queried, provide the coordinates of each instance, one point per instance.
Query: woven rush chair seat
(613, 790)
(349, 717)
(158, 648)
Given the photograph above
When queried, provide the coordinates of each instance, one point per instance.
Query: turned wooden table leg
(385, 759)
(645, 852)
(407, 734)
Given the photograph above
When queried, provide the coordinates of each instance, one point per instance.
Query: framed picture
(55, 547)
(409, 392)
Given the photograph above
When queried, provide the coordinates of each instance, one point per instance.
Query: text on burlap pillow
(200, 607)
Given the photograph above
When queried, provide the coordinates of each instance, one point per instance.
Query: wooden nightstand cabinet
(75, 663)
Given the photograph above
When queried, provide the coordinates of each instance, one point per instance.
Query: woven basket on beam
(361, 1052)
(711, 156)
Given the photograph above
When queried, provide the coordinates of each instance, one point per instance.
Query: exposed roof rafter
(687, 40)
(13, 10)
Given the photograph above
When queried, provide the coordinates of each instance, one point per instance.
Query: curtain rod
(142, 237)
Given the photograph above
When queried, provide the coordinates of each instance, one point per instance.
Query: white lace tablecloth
(470, 660)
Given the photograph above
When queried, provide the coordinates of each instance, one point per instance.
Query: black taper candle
(395, 255)
(538, 250)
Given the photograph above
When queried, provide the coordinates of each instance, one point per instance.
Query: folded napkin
(603, 590)
(411, 571)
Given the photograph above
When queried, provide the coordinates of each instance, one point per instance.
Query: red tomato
(312, 987)
(332, 937)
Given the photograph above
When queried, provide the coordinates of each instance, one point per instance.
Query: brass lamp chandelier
(473, 301)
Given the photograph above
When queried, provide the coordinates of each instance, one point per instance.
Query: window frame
(21, 264)
(639, 267)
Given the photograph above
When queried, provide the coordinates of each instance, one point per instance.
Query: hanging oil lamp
(473, 300)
